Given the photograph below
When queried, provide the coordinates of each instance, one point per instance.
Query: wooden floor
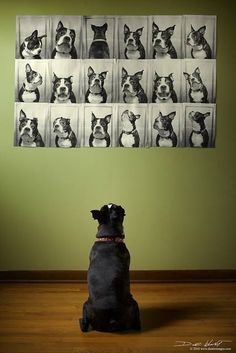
(44, 318)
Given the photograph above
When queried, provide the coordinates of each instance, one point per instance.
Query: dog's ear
(22, 115)
(70, 79)
(186, 75)
(35, 120)
(104, 74)
(93, 117)
(160, 114)
(124, 72)
(137, 116)
(108, 118)
(90, 71)
(170, 30)
(156, 77)
(126, 29)
(59, 26)
(121, 211)
(105, 26)
(202, 30)
(155, 28)
(93, 28)
(172, 115)
(206, 115)
(34, 34)
(140, 31)
(43, 36)
(96, 214)
(192, 29)
(54, 78)
(28, 68)
(197, 70)
(171, 77)
(139, 74)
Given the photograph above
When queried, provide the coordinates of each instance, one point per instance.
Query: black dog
(162, 45)
(133, 46)
(163, 89)
(99, 48)
(32, 46)
(99, 136)
(65, 40)
(62, 90)
(200, 48)
(110, 306)
(96, 92)
(197, 90)
(29, 133)
(65, 136)
(131, 87)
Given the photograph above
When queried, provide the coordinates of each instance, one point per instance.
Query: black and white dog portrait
(30, 124)
(131, 125)
(64, 43)
(166, 41)
(62, 90)
(110, 306)
(99, 35)
(166, 122)
(29, 91)
(197, 90)
(97, 120)
(96, 92)
(199, 125)
(199, 81)
(132, 37)
(32, 36)
(200, 37)
(64, 126)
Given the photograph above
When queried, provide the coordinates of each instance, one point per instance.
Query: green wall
(180, 203)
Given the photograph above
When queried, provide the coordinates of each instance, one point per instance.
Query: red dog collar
(110, 239)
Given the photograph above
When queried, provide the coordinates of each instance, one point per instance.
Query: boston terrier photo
(65, 40)
(100, 136)
(163, 89)
(99, 48)
(29, 134)
(199, 136)
(62, 90)
(131, 87)
(32, 46)
(110, 306)
(129, 136)
(161, 41)
(197, 90)
(133, 46)
(200, 48)
(29, 91)
(65, 136)
(96, 92)
(166, 136)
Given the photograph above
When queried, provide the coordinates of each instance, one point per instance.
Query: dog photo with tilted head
(29, 91)
(132, 90)
(99, 136)
(32, 46)
(200, 49)
(166, 137)
(96, 92)
(65, 136)
(28, 131)
(161, 42)
(129, 136)
(64, 43)
(110, 306)
(62, 90)
(134, 48)
(99, 47)
(197, 90)
(199, 136)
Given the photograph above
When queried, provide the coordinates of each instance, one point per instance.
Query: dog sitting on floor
(110, 306)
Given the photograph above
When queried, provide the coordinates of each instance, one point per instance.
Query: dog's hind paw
(84, 325)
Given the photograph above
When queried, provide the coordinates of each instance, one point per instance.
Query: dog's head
(198, 120)
(32, 77)
(128, 120)
(99, 126)
(33, 43)
(195, 37)
(28, 128)
(65, 38)
(109, 214)
(62, 87)
(99, 31)
(161, 40)
(163, 123)
(61, 127)
(194, 79)
(132, 39)
(96, 81)
(131, 83)
(163, 86)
